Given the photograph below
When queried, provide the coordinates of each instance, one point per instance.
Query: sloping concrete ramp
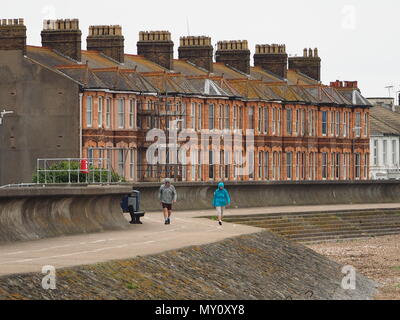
(257, 266)
(33, 214)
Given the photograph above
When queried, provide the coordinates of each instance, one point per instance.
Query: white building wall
(381, 168)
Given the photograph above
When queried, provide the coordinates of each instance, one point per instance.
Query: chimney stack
(197, 50)
(108, 40)
(13, 35)
(157, 46)
(235, 54)
(272, 58)
(63, 36)
(309, 64)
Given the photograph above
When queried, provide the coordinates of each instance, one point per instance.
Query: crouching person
(131, 204)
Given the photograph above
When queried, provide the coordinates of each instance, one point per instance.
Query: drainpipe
(80, 124)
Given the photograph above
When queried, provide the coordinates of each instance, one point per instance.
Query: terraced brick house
(101, 103)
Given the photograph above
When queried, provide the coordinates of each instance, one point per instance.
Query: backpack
(124, 204)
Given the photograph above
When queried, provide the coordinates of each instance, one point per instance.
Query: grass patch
(397, 268)
(132, 286)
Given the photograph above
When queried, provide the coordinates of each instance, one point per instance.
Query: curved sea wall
(36, 213)
(41, 212)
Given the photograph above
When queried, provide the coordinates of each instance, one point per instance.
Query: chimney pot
(108, 40)
(13, 34)
(235, 54)
(197, 50)
(308, 64)
(63, 36)
(272, 58)
(157, 47)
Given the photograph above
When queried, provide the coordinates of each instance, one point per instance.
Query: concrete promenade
(150, 238)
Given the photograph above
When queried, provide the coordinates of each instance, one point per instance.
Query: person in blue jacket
(221, 200)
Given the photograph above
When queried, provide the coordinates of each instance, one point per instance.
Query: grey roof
(384, 121)
(139, 74)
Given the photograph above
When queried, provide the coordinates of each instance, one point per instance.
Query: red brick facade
(316, 151)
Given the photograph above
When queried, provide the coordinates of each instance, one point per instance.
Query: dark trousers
(135, 218)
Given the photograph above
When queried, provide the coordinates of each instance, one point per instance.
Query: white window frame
(289, 165)
(337, 123)
(89, 111)
(266, 119)
(121, 113)
(108, 112)
(366, 124)
(324, 165)
(289, 121)
(121, 163)
(394, 153)
(193, 116)
(211, 116)
(132, 109)
(357, 165)
(199, 116)
(358, 125)
(324, 134)
(279, 120)
(332, 123)
(266, 165)
(100, 113)
(227, 116)
(250, 114)
(221, 117)
(274, 126)
(385, 152)
(376, 150)
(132, 163)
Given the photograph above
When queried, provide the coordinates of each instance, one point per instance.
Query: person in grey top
(167, 195)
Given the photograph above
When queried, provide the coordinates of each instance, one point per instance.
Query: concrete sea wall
(257, 194)
(41, 212)
(32, 214)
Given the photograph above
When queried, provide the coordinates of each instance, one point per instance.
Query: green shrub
(60, 174)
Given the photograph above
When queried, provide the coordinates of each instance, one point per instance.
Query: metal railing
(18, 185)
(73, 171)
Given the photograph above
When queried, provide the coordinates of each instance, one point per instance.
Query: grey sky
(356, 38)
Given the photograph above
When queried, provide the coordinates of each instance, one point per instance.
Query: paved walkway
(150, 238)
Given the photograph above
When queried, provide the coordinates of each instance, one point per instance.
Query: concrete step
(312, 216)
(327, 226)
(334, 226)
(342, 233)
(316, 213)
(333, 220)
(322, 239)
